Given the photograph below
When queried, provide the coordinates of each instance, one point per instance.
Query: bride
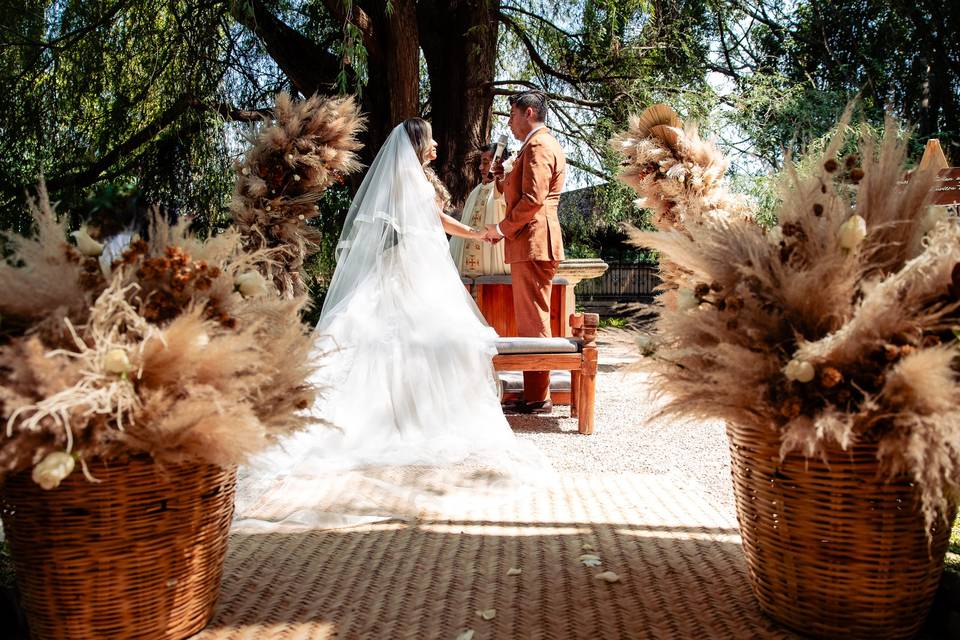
(410, 417)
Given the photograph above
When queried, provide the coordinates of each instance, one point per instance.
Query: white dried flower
(799, 370)
(290, 157)
(269, 208)
(116, 361)
(245, 171)
(687, 299)
(775, 235)
(50, 471)
(590, 560)
(852, 232)
(935, 215)
(296, 178)
(86, 244)
(301, 217)
(251, 284)
(607, 576)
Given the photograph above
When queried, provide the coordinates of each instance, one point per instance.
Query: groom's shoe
(545, 406)
(514, 406)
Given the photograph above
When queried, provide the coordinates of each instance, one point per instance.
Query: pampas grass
(290, 162)
(831, 336)
(160, 355)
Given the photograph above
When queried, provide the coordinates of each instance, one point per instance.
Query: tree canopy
(105, 96)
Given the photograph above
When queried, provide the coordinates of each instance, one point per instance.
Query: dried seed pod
(830, 377)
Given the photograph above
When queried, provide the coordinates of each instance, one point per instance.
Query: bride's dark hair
(420, 134)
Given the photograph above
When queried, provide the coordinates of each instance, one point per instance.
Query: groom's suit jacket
(532, 189)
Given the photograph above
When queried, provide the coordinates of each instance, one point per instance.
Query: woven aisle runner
(682, 573)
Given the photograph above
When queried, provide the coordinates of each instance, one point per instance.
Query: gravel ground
(627, 436)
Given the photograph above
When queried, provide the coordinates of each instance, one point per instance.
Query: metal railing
(621, 282)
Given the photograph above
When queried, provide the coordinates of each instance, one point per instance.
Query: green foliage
(333, 210)
(795, 75)
(87, 81)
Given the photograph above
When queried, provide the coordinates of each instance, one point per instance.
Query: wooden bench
(577, 354)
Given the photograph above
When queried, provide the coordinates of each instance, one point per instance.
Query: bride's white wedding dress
(409, 390)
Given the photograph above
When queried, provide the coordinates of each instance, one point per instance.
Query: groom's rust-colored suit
(533, 246)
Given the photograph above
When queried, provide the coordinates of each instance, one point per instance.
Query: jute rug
(680, 567)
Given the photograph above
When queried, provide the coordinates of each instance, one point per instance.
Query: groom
(531, 230)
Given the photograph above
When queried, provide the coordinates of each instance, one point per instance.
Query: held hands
(491, 234)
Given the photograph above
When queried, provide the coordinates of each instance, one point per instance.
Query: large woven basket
(138, 555)
(834, 549)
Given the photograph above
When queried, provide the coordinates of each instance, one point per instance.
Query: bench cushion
(512, 381)
(506, 279)
(516, 346)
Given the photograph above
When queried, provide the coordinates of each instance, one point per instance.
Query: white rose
(116, 361)
(251, 284)
(799, 370)
(87, 245)
(50, 471)
(934, 216)
(775, 235)
(852, 232)
(508, 164)
(687, 300)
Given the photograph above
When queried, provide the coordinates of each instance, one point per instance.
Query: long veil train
(405, 365)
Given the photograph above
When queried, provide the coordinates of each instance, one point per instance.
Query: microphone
(497, 154)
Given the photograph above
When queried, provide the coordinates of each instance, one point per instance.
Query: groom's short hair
(536, 100)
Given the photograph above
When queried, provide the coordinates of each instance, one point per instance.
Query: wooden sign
(946, 189)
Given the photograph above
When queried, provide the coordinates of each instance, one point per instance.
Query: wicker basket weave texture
(138, 555)
(834, 548)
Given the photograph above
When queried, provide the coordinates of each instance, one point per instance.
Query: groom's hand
(491, 234)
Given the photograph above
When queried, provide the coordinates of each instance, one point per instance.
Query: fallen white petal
(487, 614)
(466, 635)
(590, 560)
(586, 546)
(514, 571)
(607, 576)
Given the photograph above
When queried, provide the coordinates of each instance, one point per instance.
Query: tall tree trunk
(459, 42)
(392, 92)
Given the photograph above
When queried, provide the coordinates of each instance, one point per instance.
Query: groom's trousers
(532, 288)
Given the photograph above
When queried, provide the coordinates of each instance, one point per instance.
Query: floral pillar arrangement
(291, 161)
(132, 387)
(828, 345)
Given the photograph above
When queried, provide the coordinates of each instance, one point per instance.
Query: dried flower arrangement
(181, 348)
(310, 145)
(836, 327)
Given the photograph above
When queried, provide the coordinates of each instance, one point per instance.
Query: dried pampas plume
(160, 357)
(677, 174)
(310, 145)
(836, 327)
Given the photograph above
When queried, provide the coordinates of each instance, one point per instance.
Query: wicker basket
(139, 555)
(832, 549)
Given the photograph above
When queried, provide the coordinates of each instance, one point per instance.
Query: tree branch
(572, 36)
(532, 50)
(231, 113)
(553, 96)
(588, 169)
(290, 49)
